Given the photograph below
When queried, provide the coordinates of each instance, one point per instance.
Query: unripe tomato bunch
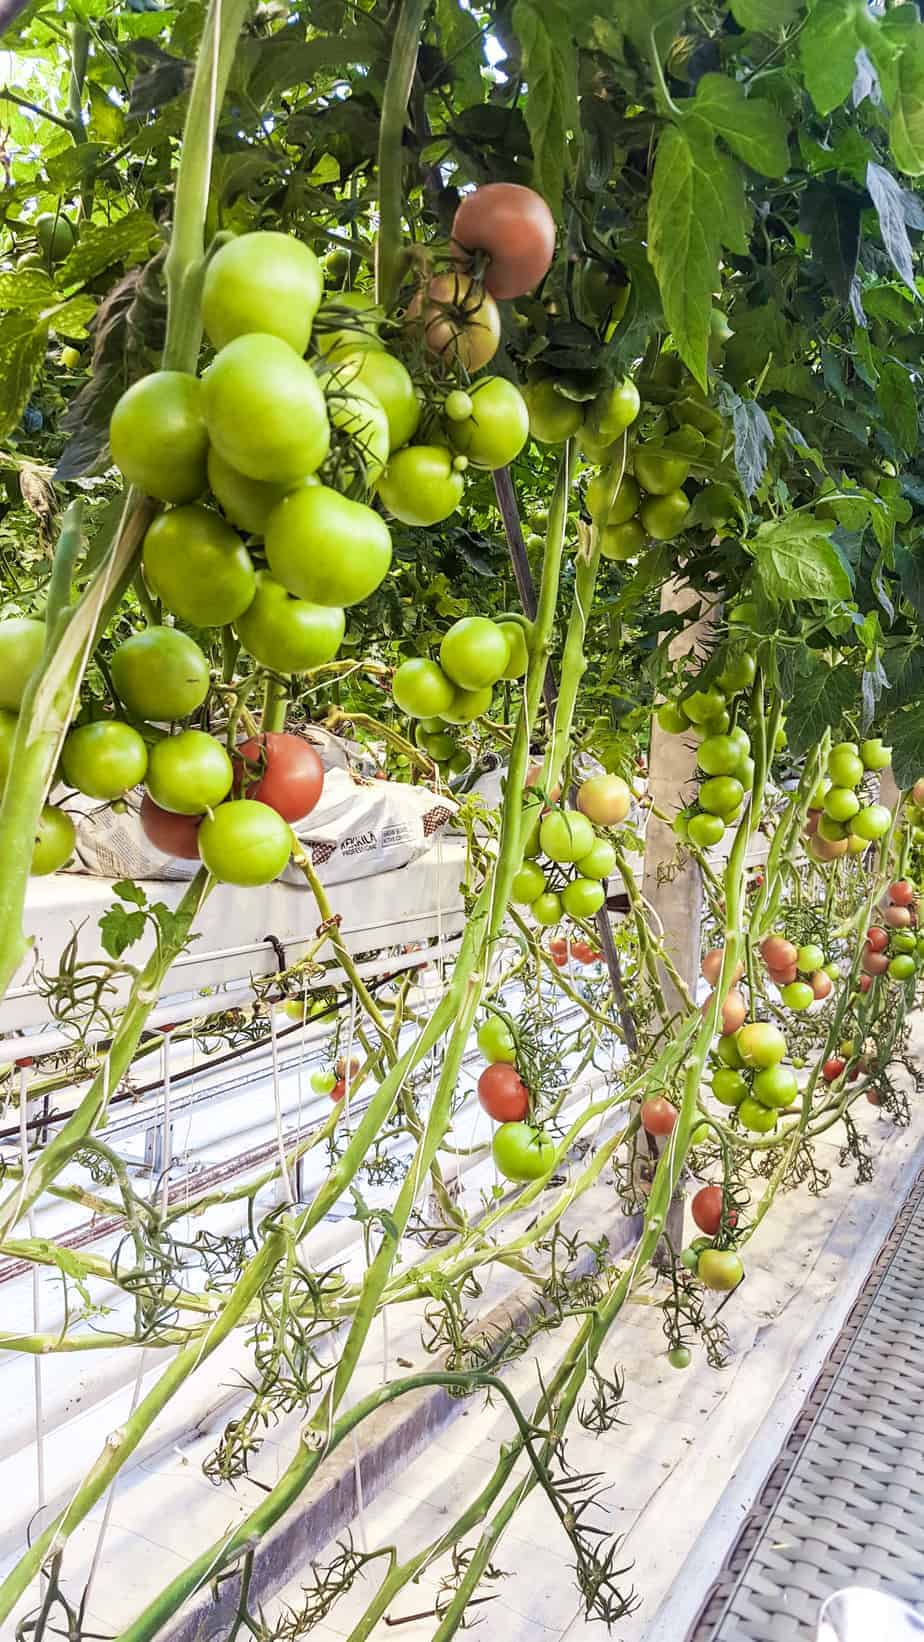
(838, 821)
(578, 859)
(522, 1151)
(650, 504)
(475, 654)
(748, 1075)
(802, 973)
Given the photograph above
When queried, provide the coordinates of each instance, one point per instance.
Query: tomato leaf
(828, 49)
(904, 665)
(898, 404)
(23, 338)
(796, 559)
(550, 70)
(906, 130)
(831, 214)
(102, 245)
(765, 16)
(817, 702)
(120, 929)
(754, 440)
(752, 128)
(906, 734)
(888, 196)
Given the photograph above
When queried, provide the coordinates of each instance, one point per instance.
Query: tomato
(338, 1089)
(189, 772)
(262, 281)
(496, 1041)
(290, 635)
(22, 641)
(158, 437)
(673, 719)
(174, 835)
(558, 946)
(619, 543)
(728, 1085)
(875, 756)
(387, 378)
(160, 674)
(777, 952)
(759, 1119)
(798, 995)
(546, 909)
(421, 485)
(605, 799)
(824, 849)
(874, 1096)
(458, 319)
(901, 894)
(679, 1357)
(738, 672)
(873, 822)
(732, 1014)
(281, 770)
(439, 744)
(720, 1269)
(833, 1068)
(55, 838)
(198, 566)
(664, 516)
(831, 831)
(706, 1209)
(265, 410)
(702, 705)
(552, 417)
(565, 835)
(897, 917)
(727, 1051)
(248, 503)
(865, 982)
(775, 1086)
(721, 794)
(56, 234)
(582, 897)
(902, 967)
(700, 1134)
(761, 1044)
(340, 1067)
(832, 971)
(599, 861)
(245, 843)
(845, 767)
(659, 473)
(705, 830)
(875, 963)
(904, 940)
(613, 411)
(821, 983)
(498, 427)
(841, 803)
(658, 1116)
(474, 652)
(322, 1082)
(348, 323)
(877, 939)
(70, 358)
(719, 755)
(917, 792)
(421, 689)
(527, 884)
(522, 1152)
(517, 649)
(514, 230)
(503, 1094)
(711, 966)
(782, 977)
(359, 429)
(809, 958)
(104, 759)
(327, 549)
(467, 705)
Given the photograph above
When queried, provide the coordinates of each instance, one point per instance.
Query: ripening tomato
(421, 484)
(658, 1116)
(711, 967)
(498, 427)
(901, 893)
(265, 410)
(22, 641)
(778, 953)
(706, 1209)
(158, 437)
(160, 674)
(552, 417)
(281, 770)
(263, 281)
(459, 320)
(288, 634)
(604, 799)
(189, 772)
(245, 843)
(733, 1012)
(897, 916)
(392, 385)
(474, 652)
(821, 983)
(565, 835)
(174, 835)
(515, 230)
(104, 759)
(503, 1094)
(496, 1041)
(761, 1044)
(325, 548)
(55, 838)
(720, 1269)
(522, 1152)
(198, 566)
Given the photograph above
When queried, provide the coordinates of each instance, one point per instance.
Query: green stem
(389, 253)
(275, 702)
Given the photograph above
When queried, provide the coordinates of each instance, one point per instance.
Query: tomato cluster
(749, 1076)
(786, 962)
(838, 822)
(567, 839)
(521, 1150)
(474, 654)
(893, 948)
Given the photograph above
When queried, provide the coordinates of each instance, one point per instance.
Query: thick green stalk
(402, 66)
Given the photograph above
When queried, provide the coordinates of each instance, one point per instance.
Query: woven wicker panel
(844, 1503)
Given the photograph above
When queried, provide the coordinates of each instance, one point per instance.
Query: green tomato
(872, 822)
(198, 566)
(760, 1044)
(547, 909)
(902, 967)
(672, 718)
(528, 884)
(474, 652)
(56, 234)
(498, 427)
(798, 996)
(841, 803)
(720, 755)
(517, 649)
(618, 543)
(322, 1082)
(457, 405)
(902, 940)
(703, 705)
(874, 755)
(727, 1051)
(393, 387)
(622, 508)
(442, 746)
(809, 958)
(522, 1152)
(248, 503)
(679, 1357)
(845, 767)
(158, 436)
(266, 282)
(565, 835)
(160, 674)
(467, 705)
(245, 843)
(496, 1041)
(265, 410)
(720, 1269)
(738, 672)
(664, 516)
(830, 830)
(776, 1086)
(760, 1119)
(700, 1134)
(689, 1258)
(55, 838)
(600, 860)
(459, 762)
(421, 485)
(290, 635)
(582, 897)
(613, 411)
(728, 1085)
(705, 830)
(552, 417)
(22, 642)
(743, 614)
(359, 430)
(347, 324)
(421, 689)
(189, 773)
(832, 971)
(721, 794)
(327, 549)
(659, 473)
(104, 759)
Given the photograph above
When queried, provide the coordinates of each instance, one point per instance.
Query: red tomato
(783, 977)
(174, 835)
(558, 946)
(778, 953)
(897, 916)
(502, 1093)
(339, 1090)
(514, 227)
(877, 939)
(833, 1068)
(864, 983)
(821, 983)
(292, 778)
(901, 893)
(706, 1209)
(658, 1115)
(874, 963)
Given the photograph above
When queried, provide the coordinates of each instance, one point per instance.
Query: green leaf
(752, 129)
(696, 205)
(904, 665)
(898, 403)
(754, 440)
(828, 47)
(101, 245)
(27, 291)
(888, 196)
(797, 560)
(910, 566)
(831, 214)
(765, 16)
(906, 129)
(23, 339)
(45, 1252)
(817, 703)
(549, 67)
(120, 929)
(128, 890)
(906, 735)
